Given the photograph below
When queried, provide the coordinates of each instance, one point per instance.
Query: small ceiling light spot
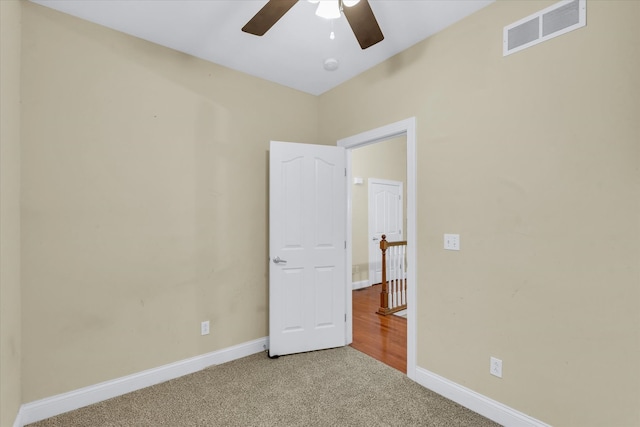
(332, 35)
(331, 64)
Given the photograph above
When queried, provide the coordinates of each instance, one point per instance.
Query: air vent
(562, 17)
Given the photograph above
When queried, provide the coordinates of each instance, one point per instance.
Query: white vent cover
(562, 17)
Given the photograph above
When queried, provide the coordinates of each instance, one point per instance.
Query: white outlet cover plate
(495, 367)
(452, 242)
(204, 328)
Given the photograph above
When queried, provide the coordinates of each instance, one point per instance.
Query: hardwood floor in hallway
(382, 337)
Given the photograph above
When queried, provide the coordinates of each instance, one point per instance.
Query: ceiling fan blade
(268, 16)
(364, 24)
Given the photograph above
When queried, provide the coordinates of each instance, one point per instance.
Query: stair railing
(393, 296)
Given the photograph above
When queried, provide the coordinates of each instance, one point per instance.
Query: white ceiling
(292, 53)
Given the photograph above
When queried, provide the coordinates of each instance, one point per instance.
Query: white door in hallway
(307, 255)
(385, 217)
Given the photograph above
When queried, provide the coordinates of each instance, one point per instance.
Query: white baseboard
(483, 405)
(18, 422)
(359, 285)
(65, 402)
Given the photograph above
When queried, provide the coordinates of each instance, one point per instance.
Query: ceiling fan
(358, 13)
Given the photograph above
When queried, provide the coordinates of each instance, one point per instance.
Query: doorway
(406, 128)
(385, 216)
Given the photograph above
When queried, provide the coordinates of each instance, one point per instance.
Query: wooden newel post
(384, 294)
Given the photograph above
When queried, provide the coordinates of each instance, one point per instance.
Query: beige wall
(10, 305)
(535, 160)
(144, 202)
(383, 160)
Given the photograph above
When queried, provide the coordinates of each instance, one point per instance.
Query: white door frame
(404, 127)
(374, 251)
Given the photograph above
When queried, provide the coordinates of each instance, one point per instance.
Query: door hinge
(345, 244)
(345, 172)
(345, 317)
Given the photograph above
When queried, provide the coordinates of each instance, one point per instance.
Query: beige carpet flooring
(338, 387)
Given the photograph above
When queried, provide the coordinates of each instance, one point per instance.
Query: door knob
(277, 260)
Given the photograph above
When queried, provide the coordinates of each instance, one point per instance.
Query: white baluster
(394, 257)
(396, 286)
(403, 300)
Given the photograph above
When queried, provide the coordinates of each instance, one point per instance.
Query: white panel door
(385, 217)
(307, 235)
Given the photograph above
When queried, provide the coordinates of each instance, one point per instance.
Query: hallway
(382, 337)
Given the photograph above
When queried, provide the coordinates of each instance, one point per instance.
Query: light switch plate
(452, 242)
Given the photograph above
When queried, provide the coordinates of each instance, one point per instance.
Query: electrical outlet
(495, 367)
(452, 242)
(204, 328)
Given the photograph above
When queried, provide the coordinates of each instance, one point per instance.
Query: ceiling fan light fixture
(361, 19)
(328, 9)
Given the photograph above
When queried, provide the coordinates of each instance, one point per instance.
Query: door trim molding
(403, 127)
